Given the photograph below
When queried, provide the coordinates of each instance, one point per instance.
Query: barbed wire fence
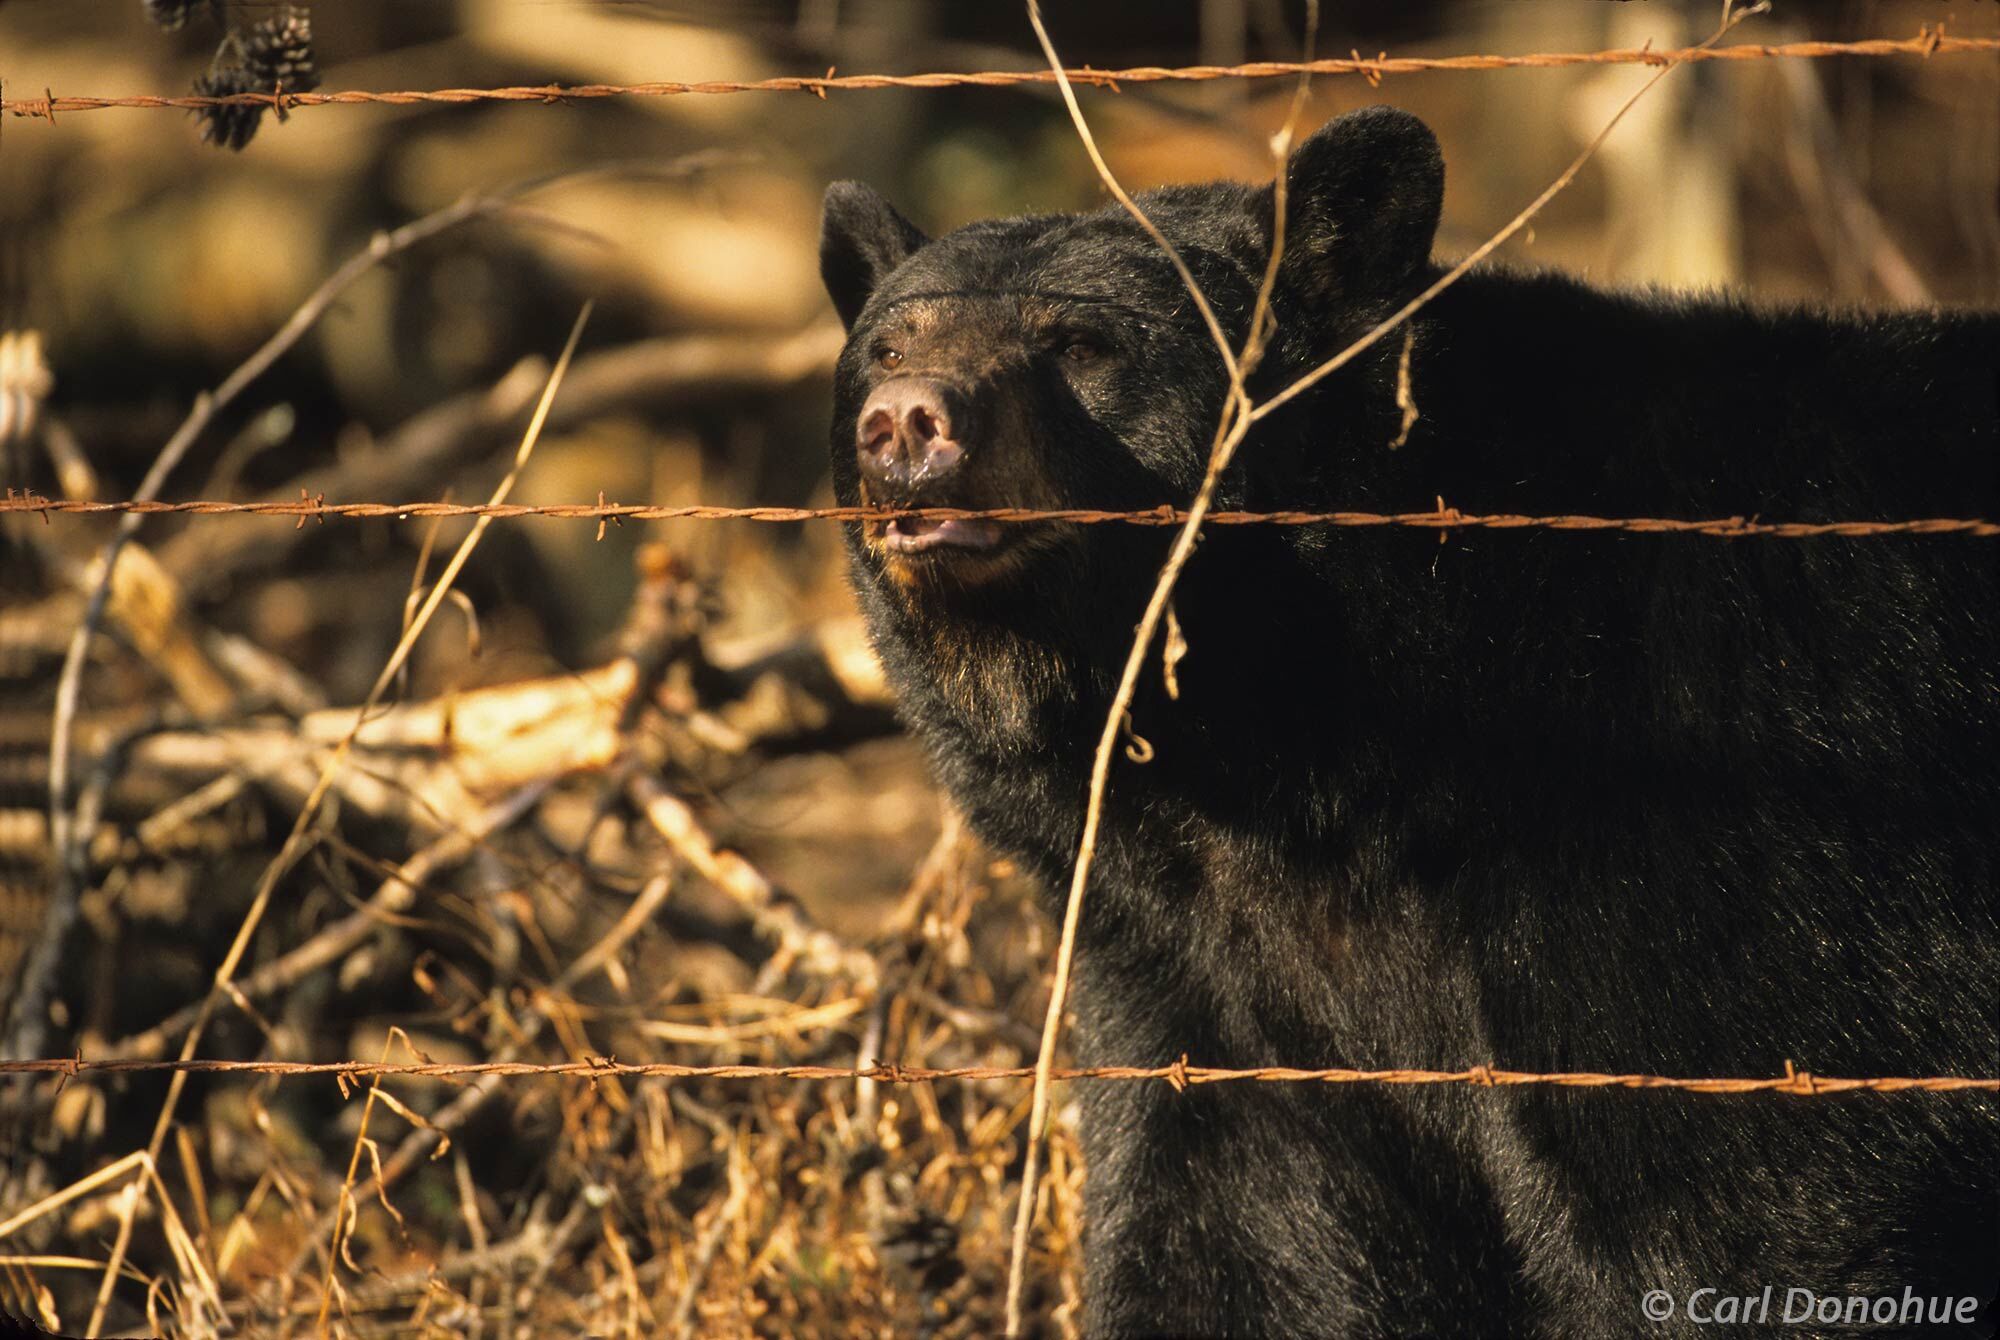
(605, 513)
(1928, 41)
(716, 864)
(1181, 1075)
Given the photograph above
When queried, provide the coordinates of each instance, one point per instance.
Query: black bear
(1666, 804)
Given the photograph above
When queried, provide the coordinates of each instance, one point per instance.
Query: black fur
(1629, 803)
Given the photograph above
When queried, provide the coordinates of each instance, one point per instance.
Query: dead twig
(719, 1224)
(773, 913)
(1230, 430)
(1817, 164)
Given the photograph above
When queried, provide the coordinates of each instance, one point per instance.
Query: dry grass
(550, 880)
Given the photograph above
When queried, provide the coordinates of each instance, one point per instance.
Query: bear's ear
(861, 239)
(1364, 195)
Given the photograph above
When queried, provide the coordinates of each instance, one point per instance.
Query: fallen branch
(773, 913)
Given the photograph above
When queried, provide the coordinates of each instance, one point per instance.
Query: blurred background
(139, 265)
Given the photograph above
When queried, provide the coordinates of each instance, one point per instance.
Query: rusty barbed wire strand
(1448, 518)
(1928, 42)
(1180, 1074)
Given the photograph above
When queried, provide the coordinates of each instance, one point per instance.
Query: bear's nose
(904, 436)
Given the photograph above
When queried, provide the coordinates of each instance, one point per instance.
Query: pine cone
(169, 14)
(234, 125)
(278, 53)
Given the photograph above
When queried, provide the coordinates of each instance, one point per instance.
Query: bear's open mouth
(918, 535)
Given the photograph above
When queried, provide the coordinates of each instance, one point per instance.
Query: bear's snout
(903, 438)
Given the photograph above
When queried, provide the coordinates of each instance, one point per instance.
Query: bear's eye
(1081, 349)
(889, 359)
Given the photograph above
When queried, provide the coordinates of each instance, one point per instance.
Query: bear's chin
(940, 575)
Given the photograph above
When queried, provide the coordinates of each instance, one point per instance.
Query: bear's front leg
(1289, 1210)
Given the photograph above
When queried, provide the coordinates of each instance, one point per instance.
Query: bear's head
(1057, 361)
